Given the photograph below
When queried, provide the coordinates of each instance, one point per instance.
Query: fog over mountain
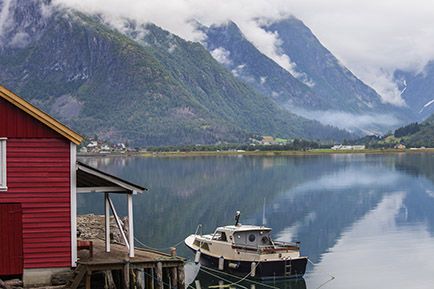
(138, 83)
(292, 61)
(371, 38)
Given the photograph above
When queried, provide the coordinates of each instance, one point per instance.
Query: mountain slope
(320, 87)
(229, 46)
(318, 65)
(146, 86)
(418, 90)
(423, 135)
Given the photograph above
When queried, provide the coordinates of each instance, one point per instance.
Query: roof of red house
(40, 115)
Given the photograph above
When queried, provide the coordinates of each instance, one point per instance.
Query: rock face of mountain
(317, 66)
(143, 85)
(418, 90)
(231, 48)
(320, 87)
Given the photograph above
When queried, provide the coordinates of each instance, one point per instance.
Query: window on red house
(3, 185)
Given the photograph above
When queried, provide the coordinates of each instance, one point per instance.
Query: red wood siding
(15, 123)
(11, 240)
(38, 177)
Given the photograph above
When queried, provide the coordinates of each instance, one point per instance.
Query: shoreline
(256, 153)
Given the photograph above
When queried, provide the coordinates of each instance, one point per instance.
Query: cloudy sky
(372, 38)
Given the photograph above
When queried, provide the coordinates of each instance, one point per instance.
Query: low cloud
(5, 19)
(221, 55)
(374, 38)
(366, 123)
(371, 38)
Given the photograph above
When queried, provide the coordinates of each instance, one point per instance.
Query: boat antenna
(237, 218)
(264, 220)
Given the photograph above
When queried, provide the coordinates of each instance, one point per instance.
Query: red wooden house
(38, 187)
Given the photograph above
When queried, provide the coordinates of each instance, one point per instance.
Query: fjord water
(367, 220)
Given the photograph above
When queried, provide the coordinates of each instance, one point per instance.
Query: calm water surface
(367, 220)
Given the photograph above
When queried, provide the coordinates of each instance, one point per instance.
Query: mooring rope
(221, 278)
(158, 249)
(164, 283)
(236, 277)
(244, 278)
(329, 280)
(331, 276)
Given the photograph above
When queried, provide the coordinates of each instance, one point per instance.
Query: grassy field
(265, 153)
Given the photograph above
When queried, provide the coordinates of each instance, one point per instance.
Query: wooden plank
(78, 278)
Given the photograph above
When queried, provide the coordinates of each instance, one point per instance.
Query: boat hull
(281, 269)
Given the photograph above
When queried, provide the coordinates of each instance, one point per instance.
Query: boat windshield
(220, 236)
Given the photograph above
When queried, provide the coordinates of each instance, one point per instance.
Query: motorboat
(247, 250)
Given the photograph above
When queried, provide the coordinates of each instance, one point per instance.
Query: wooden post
(174, 277)
(130, 225)
(127, 275)
(140, 281)
(160, 276)
(149, 278)
(109, 280)
(107, 222)
(181, 277)
(88, 284)
(152, 278)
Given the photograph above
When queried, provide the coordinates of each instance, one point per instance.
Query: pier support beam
(140, 278)
(107, 222)
(126, 276)
(88, 284)
(130, 225)
(174, 278)
(160, 276)
(181, 277)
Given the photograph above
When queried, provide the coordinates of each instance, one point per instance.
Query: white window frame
(3, 165)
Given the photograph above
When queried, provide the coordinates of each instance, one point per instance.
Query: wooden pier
(115, 269)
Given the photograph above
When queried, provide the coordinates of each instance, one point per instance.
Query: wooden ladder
(288, 267)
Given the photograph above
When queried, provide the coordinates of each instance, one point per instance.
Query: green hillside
(153, 90)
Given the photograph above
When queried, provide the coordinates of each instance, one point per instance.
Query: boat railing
(199, 229)
(286, 244)
(274, 247)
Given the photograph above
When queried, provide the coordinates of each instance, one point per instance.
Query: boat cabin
(244, 236)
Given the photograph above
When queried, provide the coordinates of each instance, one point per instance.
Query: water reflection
(366, 219)
(207, 280)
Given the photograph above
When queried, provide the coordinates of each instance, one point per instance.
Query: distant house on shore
(39, 180)
(267, 140)
(400, 146)
(348, 147)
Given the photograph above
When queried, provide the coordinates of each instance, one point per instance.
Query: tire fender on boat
(221, 263)
(253, 269)
(197, 257)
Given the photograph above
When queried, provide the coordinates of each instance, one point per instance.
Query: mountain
(231, 48)
(319, 87)
(331, 80)
(143, 84)
(318, 66)
(418, 90)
